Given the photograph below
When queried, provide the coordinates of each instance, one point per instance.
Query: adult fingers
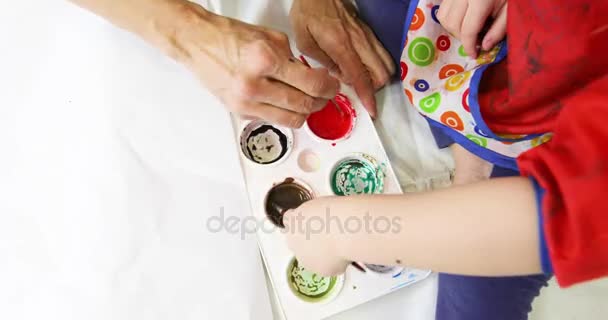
(244, 117)
(497, 31)
(337, 45)
(370, 59)
(272, 57)
(289, 98)
(271, 114)
(473, 23)
(313, 82)
(308, 46)
(386, 58)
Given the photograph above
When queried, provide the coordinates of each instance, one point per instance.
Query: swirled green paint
(310, 286)
(355, 176)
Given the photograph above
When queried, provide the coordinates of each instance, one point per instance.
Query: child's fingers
(497, 31)
(452, 16)
(444, 9)
(472, 24)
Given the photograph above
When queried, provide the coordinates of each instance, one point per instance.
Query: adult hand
(252, 69)
(330, 32)
(465, 19)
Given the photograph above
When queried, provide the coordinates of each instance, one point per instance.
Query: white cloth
(112, 159)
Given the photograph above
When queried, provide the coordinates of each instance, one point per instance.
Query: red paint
(334, 121)
(304, 61)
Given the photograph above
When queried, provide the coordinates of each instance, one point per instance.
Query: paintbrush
(358, 266)
(305, 62)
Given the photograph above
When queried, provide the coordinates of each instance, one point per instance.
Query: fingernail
(487, 44)
(476, 51)
(372, 109)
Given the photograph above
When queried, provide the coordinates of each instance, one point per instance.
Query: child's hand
(309, 237)
(465, 19)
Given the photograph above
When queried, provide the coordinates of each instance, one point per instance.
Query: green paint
(478, 140)
(357, 175)
(310, 286)
(430, 103)
(421, 51)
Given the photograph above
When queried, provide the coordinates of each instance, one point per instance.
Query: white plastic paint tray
(357, 287)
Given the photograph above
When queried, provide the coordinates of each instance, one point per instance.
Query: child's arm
(488, 228)
(491, 228)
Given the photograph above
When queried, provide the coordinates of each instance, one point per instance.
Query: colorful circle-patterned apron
(442, 82)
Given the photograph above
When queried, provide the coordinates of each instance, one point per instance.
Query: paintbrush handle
(358, 266)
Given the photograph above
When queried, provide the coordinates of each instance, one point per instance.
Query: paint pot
(311, 287)
(289, 194)
(334, 122)
(309, 161)
(264, 143)
(384, 270)
(357, 174)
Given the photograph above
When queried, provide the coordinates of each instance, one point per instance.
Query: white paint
(309, 161)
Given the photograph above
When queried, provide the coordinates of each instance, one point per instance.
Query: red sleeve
(554, 49)
(573, 170)
(555, 79)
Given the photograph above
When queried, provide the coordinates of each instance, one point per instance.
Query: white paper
(113, 157)
(112, 160)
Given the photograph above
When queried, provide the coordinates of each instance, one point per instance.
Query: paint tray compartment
(292, 166)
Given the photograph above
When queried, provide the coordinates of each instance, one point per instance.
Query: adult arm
(250, 68)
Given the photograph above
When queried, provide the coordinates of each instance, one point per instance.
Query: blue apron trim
(484, 153)
(474, 100)
(545, 258)
(442, 140)
(408, 20)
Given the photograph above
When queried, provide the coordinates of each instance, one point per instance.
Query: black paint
(285, 196)
(262, 130)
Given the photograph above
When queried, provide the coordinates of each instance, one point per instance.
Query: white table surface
(113, 158)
